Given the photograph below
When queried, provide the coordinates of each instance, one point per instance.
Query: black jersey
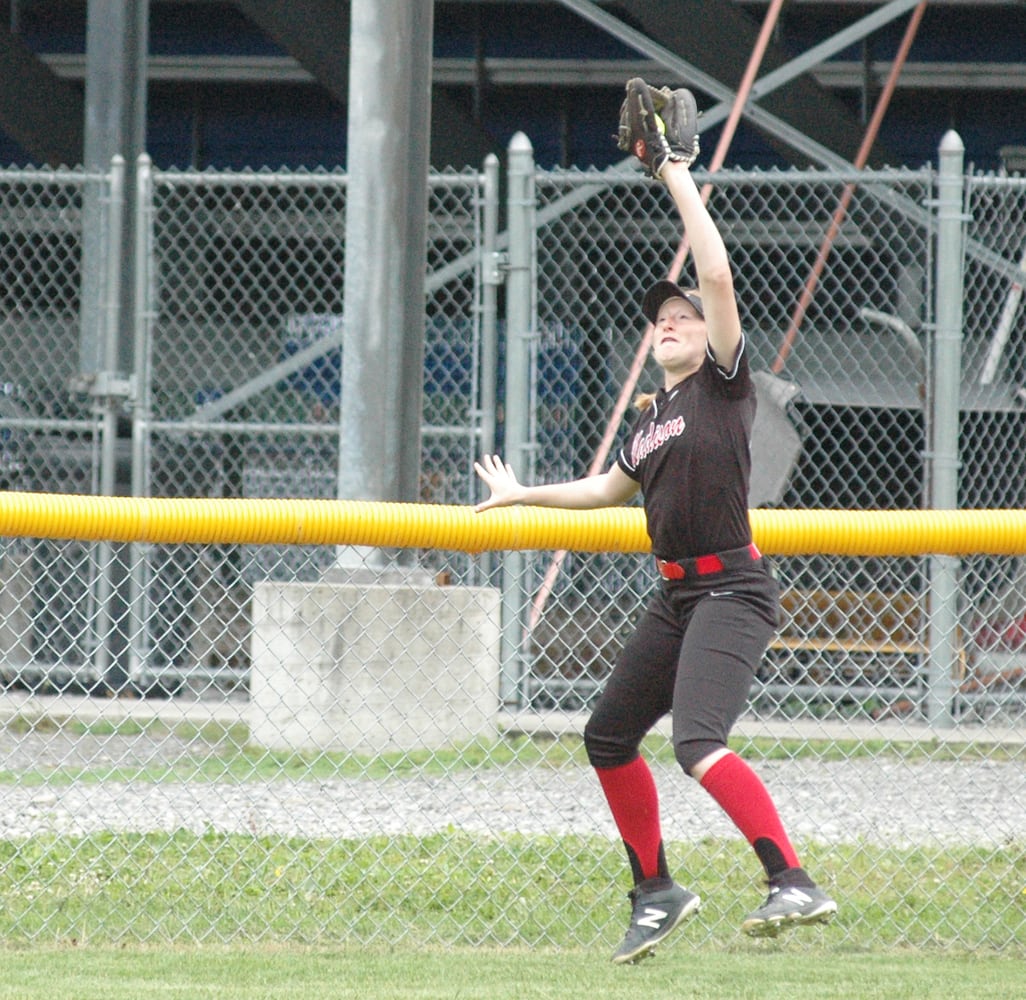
(690, 453)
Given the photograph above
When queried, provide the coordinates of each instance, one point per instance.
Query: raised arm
(609, 489)
(660, 127)
(712, 265)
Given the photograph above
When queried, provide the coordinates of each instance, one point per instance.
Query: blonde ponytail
(643, 400)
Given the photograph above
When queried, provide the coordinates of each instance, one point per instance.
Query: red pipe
(860, 161)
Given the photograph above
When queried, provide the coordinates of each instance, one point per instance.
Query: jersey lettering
(655, 437)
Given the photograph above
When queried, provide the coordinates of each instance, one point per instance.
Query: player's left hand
(658, 126)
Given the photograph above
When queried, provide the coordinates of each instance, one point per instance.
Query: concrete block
(17, 579)
(367, 668)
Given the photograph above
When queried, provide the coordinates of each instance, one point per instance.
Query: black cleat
(789, 906)
(655, 912)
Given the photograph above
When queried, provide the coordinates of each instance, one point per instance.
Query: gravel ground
(878, 801)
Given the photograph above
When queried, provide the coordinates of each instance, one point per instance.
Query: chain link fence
(259, 692)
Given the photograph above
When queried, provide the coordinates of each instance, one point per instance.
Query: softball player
(698, 645)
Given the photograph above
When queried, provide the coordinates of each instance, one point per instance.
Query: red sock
(631, 793)
(743, 797)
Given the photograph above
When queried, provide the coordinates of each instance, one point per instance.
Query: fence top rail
(250, 178)
(335, 177)
(572, 176)
(51, 175)
(1013, 182)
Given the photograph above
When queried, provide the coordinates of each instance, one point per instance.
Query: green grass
(678, 971)
(455, 889)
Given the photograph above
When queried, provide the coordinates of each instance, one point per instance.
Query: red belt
(717, 562)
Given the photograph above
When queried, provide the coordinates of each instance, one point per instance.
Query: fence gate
(239, 322)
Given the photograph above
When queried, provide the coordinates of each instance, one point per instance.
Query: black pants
(694, 653)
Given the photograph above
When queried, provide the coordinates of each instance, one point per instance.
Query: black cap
(663, 290)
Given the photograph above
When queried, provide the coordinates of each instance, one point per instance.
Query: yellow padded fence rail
(460, 528)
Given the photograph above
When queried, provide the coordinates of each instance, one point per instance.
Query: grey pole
(144, 299)
(109, 390)
(143, 314)
(520, 306)
(115, 125)
(520, 342)
(493, 275)
(385, 258)
(492, 271)
(106, 399)
(946, 371)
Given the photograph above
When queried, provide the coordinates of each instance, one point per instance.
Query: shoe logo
(793, 895)
(720, 593)
(653, 918)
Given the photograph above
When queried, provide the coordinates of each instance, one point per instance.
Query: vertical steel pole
(144, 311)
(520, 306)
(492, 277)
(143, 314)
(385, 257)
(106, 402)
(520, 340)
(947, 371)
(491, 272)
(117, 35)
(109, 391)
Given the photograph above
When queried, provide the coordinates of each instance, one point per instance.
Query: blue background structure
(538, 68)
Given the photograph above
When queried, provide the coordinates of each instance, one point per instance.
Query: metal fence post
(144, 305)
(492, 273)
(520, 288)
(108, 392)
(947, 372)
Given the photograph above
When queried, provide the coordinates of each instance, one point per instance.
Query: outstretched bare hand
(499, 477)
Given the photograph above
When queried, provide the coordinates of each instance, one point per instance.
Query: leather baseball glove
(658, 126)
